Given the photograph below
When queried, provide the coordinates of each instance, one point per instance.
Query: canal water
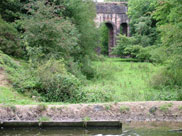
(128, 130)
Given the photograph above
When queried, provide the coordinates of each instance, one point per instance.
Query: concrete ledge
(74, 124)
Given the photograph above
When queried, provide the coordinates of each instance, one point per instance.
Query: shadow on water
(138, 129)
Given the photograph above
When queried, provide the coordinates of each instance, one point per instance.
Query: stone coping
(62, 124)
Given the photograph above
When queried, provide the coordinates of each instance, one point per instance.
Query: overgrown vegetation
(47, 49)
(156, 37)
(52, 48)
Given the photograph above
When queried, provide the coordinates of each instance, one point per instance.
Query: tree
(168, 14)
(10, 9)
(47, 34)
(142, 24)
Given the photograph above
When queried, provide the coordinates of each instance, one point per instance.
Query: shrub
(158, 54)
(132, 50)
(127, 46)
(57, 85)
(99, 95)
(122, 43)
(9, 39)
(144, 54)
(48, 34)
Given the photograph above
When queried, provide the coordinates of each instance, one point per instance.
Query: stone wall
(114, 13)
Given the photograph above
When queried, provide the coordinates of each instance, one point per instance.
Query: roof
(112, 7)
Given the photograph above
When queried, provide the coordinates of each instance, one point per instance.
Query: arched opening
(107, 38)
(124, 29)
(110, 37)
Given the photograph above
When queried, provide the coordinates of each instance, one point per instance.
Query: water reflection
(55, 132)
(152, 129)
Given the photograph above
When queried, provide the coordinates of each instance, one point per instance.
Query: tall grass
(124, 81)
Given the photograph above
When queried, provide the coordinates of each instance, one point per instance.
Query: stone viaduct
(114, 15)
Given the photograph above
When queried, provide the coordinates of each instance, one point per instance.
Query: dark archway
(110, 36)
(124, 29)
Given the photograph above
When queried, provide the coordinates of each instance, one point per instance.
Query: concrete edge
(62, 124)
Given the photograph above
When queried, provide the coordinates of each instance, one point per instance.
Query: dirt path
(125, 111)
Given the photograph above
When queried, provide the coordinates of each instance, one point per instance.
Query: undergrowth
(115, 80)
(125, 80)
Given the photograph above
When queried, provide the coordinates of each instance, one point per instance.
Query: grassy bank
(116, 80)
(9, 96)
(126, 81)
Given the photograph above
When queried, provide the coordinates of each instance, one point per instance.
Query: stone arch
(124, 29)
(114, 13)
(111, 35)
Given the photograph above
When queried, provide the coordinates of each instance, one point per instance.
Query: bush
(158, 54)
(127, 46)
(57, 85)
(132, 50)
(99, 95)
(48, 34)
(122, 43)
(9, 39)
(167, 77)
(144, 54)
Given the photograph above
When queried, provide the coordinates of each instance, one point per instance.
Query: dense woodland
(47, 47)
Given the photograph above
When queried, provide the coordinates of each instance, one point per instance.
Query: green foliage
(104, 39)
(48, 34)
(82, 14)
(132, 51)
(57, 85)
(86, 119)
(166, 107)
(119, 80)
(107, 107)
(158, 54)
(122, 43)
(127, 46)
(180, 108)
(51, 80)
(44, 119)
(115, 0)
(99, 95)
(22, 78)
(68, 32)
(9, 41)
(145, 54)
(10, 9)
(124, 109)
(168, 15)
(142, 24)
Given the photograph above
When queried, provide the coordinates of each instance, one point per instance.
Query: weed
(86, 119)
(44, 119)
(41, 107)
(180, 108)
(165, 107)
(124, 109)
(115, 103)
(107, 107)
